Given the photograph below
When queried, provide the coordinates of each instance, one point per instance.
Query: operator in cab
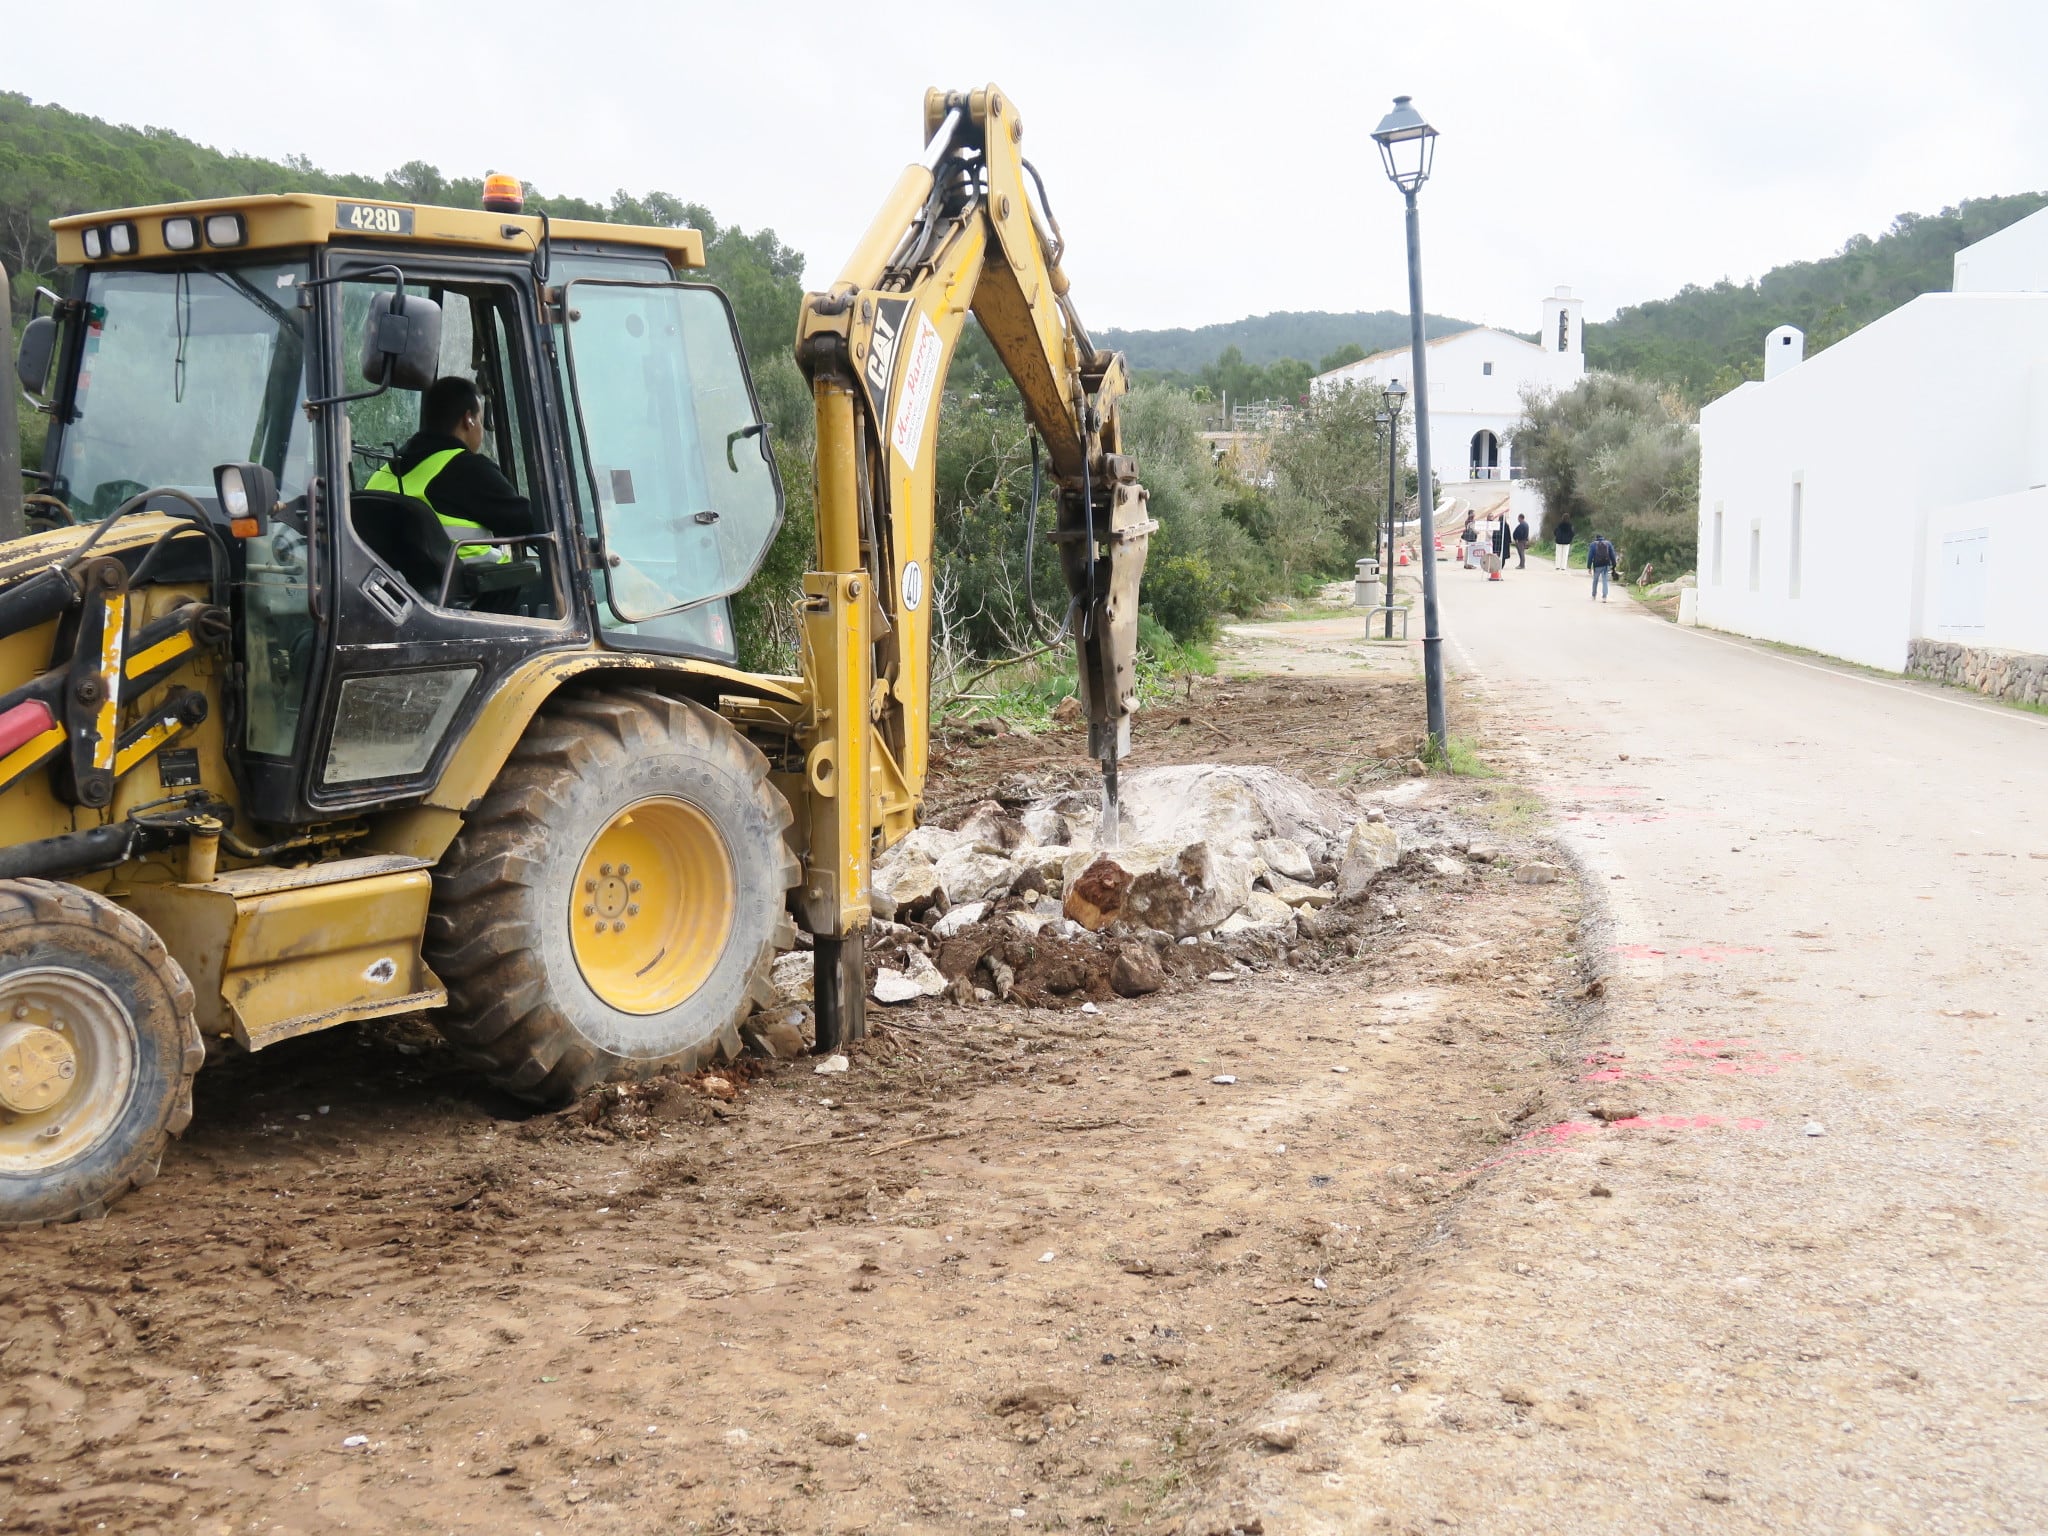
(443, 465)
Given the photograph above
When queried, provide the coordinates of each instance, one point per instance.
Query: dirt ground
(1018, 1269)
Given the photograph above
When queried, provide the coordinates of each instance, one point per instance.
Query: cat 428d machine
(278, 753)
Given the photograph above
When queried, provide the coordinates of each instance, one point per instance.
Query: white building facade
(1881, 501)
(1476, 379)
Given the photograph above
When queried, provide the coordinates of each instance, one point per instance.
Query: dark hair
(446, 402)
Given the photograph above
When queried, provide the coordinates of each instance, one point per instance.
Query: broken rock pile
(1017, 897)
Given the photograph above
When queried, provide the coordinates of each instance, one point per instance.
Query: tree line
(1703, 341)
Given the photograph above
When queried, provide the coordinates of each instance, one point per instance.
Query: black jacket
(469, 486)
(1522, 530)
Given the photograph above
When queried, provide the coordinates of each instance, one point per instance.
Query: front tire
(98, 1047)
(615, 904)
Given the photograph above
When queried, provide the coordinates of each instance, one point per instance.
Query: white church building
(1886, 500)
(1476, 379)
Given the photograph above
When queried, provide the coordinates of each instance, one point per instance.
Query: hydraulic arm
(958, 234)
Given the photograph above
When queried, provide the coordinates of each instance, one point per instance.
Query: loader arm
(958, 234)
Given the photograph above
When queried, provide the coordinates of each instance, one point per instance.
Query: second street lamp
(1408, 150)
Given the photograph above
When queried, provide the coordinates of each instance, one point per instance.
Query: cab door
(672, 459)
(413, 658)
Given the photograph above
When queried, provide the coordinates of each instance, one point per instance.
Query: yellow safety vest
(414, 483)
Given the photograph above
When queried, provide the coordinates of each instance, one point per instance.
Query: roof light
(503, 193)
(226, 229)
(181, 234)
(95, 244)
(121, 239)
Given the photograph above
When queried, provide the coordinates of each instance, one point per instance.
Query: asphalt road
(1813, 1296)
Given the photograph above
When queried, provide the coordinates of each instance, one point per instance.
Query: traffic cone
(1404, 557)
(1494, 577)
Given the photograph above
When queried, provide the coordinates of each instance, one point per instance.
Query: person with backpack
(1600, 560)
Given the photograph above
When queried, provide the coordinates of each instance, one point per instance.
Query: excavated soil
(1018, 1268)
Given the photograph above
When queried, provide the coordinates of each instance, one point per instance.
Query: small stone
(1815, 1128)
(1090, 1008)
(1047, 1257)
(1340, 1069)
(1386, 1037)
(1623, 756)
(1277, 1437)
(717, 1087)
(835, 1437)
(1518, 1395)
(355, 1440)
(1601, 1192)
(892, 986)
(832, 1064)
(1136, 971)
(1321, 1284)
(1223, 976)
(1416, 768)
(1223, 1079)
(961, 917)
(1535, 872)
(1482, 853)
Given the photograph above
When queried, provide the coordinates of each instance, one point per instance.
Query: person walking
(1521, 543)
(1563, 536)
(1600, 558)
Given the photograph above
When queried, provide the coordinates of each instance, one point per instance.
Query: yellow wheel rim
(67, 1066)
(653, 906)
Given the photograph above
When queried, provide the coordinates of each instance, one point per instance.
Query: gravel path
(1796, 1281)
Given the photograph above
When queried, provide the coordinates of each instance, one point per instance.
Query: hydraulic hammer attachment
(1103, 562)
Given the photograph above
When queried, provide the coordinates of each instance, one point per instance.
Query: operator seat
(406, 535)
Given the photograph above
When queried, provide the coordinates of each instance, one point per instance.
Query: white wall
(2015, 260)
(1933, 405)
(1983, 571)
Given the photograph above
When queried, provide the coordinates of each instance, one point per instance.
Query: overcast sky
(1207, 161)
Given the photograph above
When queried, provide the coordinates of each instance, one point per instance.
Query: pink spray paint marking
(1713, 954)
(1737, 1056)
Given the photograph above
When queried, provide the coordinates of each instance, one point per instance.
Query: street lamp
(1408, 150)
(1396, 396)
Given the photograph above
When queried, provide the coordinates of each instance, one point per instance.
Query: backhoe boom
(957, 234)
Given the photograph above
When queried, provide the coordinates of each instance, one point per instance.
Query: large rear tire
(615, 904)
(98, 1048)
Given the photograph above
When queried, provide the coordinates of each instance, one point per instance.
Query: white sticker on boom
(913, 586)
(920, 383)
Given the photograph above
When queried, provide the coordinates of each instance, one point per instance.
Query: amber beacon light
(503, 194)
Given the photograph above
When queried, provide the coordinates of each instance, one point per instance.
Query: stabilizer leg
(839, 986)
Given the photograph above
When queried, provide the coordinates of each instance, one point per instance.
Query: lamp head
(1396, 396)
(1407, 145)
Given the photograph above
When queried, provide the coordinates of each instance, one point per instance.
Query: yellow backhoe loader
(278, 751)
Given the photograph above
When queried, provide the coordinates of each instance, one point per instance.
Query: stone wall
(2015, 675)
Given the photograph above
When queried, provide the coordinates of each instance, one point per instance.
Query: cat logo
(889, 317)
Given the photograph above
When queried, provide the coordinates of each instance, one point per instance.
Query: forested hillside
(55, 162)
(1261, 339)
(1704, 341)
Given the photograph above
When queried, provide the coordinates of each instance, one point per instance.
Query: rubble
(1012, 898)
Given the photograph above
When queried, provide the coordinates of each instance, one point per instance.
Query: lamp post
(1408, 150)
(1396, 395)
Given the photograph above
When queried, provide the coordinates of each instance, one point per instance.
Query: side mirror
(402, 341)
(37, 350)
(248, 495)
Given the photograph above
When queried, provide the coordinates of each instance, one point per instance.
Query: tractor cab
(255, 362)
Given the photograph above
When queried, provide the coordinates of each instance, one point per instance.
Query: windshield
(182, 371)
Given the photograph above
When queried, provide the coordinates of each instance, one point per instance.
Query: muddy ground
(1018, 1269)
